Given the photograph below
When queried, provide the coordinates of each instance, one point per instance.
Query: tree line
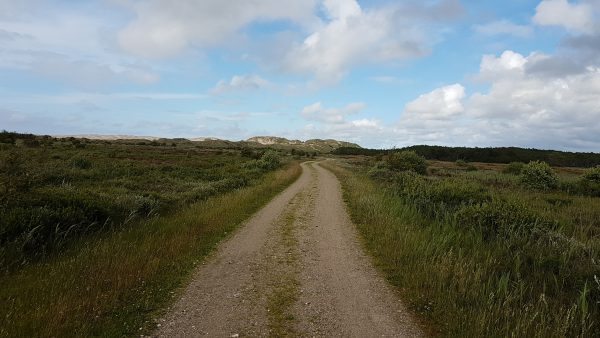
(487, 155)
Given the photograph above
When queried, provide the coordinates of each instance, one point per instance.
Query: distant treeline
(488, 155)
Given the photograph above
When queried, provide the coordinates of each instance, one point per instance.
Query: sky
(380, 73)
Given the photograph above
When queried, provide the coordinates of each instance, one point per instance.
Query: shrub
(407, 161)
(81, 163)
(270, 160)
(380, 171)
(437, 198)
(589, 183)
(461, 163)
(592, 175)
(500, 218)
(538, 175)
(514, 168)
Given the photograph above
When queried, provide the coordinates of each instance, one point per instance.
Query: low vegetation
(484, 253)
(96, 236)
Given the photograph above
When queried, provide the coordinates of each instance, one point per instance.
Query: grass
(284, 285)
(56, 194)
(476, 255)
(111, 283)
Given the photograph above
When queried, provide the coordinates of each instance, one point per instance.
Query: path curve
(296, 269)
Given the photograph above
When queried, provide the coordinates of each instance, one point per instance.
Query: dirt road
(296, 268)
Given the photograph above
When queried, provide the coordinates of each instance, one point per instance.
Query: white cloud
(355, 36)
(441, 103)
(492, 67)
(504, 27)
(165, 28)
(575, 17)
(240, 82)
(72, 47)
(317, 112)
(521, 108)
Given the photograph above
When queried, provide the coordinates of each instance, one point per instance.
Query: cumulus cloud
(504, 27)
(164, 28)
(575, 17)
(355, 36)
(441, 103)
(521, 108)
(240, 82)
(69, 47)
(317, 112)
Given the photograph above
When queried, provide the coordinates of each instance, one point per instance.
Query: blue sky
(380, 73)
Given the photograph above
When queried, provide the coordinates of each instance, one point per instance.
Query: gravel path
(295, 269)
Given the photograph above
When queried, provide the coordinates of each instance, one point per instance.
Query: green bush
(499, 218)
(437, 198)
(407, 161)
(514, 168)
(81, 163)
(380, 171)
(270, 160)
(589, 183)
(592, 175)
(539, 175)
(461, 163)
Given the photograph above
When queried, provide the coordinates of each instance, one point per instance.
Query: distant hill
(322, 146)
(109, 137)
(314, 145)
(489, 155)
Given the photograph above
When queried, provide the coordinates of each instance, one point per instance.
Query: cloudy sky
(381, 73)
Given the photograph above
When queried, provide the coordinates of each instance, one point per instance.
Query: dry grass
(113, 286)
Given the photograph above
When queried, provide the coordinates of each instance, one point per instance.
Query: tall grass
(482, 260)
(55, 195)
(114, 284)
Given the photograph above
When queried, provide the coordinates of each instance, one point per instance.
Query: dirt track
(296, 268)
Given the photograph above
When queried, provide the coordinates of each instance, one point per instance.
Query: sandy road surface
(296, 268)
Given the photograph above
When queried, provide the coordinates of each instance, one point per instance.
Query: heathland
(95, 235)
(98, 236)
(479, 249)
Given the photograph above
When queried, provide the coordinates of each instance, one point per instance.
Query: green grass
(56, 194)
(283, 281)
(111, 282)
(478, 256)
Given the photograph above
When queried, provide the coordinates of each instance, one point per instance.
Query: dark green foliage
(589, 184)
(81, 163)
(50, 196)
(488, 155)
(514, 168)
(592, 175)
(500, 218)
(407, 161)
(538, 175)
(250, 153)
(437, 198)
(270, 160)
